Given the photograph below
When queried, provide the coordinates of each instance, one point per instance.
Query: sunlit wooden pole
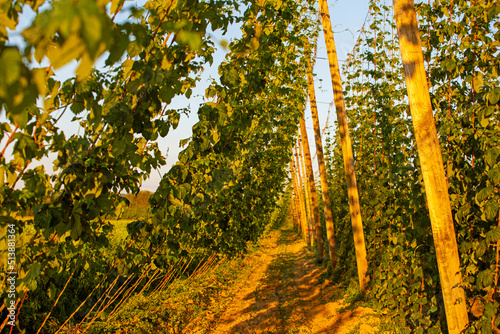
(293, 209)
(312, 189)
(294, 213)
(431, 162)
(298, 197)
(307, 199)
(308, 194)
(302, 198)
(345, 140)
(327, 207)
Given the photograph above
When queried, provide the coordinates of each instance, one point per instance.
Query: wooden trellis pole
(307, 194)
(293, 213)
(431, 162)
(345, 140)
(312, 189)
(302, 198)
(298, 197)
(325, 192)
(307, 198)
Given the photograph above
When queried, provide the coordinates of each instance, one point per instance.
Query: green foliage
(218, 198)
(460, 40)
(171, 310)
(138, 207)
(468, 114)
(233, 169)
(282, 211)
(229, 184)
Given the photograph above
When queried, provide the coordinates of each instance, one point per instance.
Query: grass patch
(119, 230)
(173, 309)
(185, 304)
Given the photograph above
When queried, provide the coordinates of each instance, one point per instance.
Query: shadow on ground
(289, 295)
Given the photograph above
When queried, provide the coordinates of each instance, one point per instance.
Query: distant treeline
(138, 207)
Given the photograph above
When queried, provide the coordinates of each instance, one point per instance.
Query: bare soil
(284, 291)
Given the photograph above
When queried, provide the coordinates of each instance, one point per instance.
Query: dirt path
(284, 293)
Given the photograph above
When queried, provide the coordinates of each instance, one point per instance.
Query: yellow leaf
(166, 64)
(7, 21)
(35, 4)
(85, 67)
(11, 178)
(103, 3)
(39, 78)
(72, 49)
(127, 67)
(87, 62)
(2, 176)
(116, 5)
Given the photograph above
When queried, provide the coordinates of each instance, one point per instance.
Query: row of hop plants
(216, 200)
(461, 41)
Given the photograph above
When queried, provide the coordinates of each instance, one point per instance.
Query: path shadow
(291, 296)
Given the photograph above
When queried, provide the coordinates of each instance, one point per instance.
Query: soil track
(284, 292)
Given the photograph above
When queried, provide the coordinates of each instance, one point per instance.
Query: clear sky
(347, 19)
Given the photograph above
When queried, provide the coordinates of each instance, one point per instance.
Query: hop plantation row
(236, 173)
(460, 40)
(213, 202)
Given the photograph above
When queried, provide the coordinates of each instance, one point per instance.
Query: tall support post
(292, 210)
(294, 213)
(302, 197)
(345, 140)
(298, 198)
(312, 189)
(431, 161)
(308, 194)
(325, 191)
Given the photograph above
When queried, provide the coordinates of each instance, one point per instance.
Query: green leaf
(419, 273)
(494, 175)
(51, 293)
(33, 271)
(25, 146)
(77, 229)
(491, 211)
(488, 111)
(215, 136)
(449, 64)
(491, 156)
(485, 279)
(478, 82)
(193, 39)
(481, 249)
(183, 142)
(494, 95)
(11, 67)
(92, 28)
(77, 107)
(484, 194)
(2, 176)
(17, 87)
(493, 235)
(85, 67)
